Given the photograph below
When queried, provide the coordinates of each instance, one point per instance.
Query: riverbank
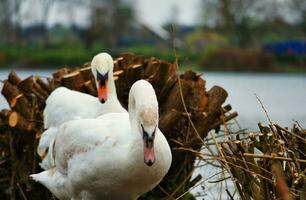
(53, 57)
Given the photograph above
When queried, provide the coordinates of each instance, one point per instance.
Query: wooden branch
(86, 73)
(168, 120)
(89, 88)
(118, 73)
(226, 119)
(73, 81)
(118, 65)
(27, 85)
(60, 73)
(164, 93)
(174, 101)
(152, 65)
(272, 157)
(216, 97)
(44, 85)
(22, 105)
(163, 71)
(10, 92)
(57, 77)
(134, 73)
(138, 59)
(13, 78)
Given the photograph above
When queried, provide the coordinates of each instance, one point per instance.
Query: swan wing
(81, 136)
(64, 105)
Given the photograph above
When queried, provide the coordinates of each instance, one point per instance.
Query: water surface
(283, 95)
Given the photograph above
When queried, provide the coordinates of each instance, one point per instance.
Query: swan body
(64, 104)
(115, 156)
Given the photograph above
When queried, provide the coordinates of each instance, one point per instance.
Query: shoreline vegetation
(218, 60)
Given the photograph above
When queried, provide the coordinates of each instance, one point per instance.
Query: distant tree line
(246, 20)
(108, 19)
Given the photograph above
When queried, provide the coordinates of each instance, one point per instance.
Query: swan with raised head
(64, 104)
(115, 156)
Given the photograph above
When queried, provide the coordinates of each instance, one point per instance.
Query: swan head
(102, 66)
(148, 127)
(143, 109)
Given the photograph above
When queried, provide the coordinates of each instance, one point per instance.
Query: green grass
(75, 54)
(38, 56)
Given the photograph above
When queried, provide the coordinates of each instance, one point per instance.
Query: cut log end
(118, 72)
(13, 119)
(136, 66)
(85, 68)
(76, 73)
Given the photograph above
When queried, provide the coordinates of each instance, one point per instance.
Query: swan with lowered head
(115, 156)
(64, 104)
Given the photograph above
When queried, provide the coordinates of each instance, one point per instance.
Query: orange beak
(102, 92)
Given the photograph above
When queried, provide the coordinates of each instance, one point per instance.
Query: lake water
(283, 95)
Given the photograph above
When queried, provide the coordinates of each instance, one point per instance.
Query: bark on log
(163, 72)
(4, 114)
(22, 106)
(86, 73)
(167, 88)
(44, 85)
(29, 86)
(134, 73)
(118, 65)
(10, 92)
(60, 73)
(168, 120)
(127, 60)
(73, 81)
(151, 66)
(26, 86)
(138, 59)
(174, 100)
(89, 88)
(13, 78)
(216, 97)
(57, 77)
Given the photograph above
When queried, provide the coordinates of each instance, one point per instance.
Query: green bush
(236, 59)
(40, 56)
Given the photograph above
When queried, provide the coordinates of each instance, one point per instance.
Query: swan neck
(132, 110)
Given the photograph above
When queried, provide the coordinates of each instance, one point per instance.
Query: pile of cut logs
(187, 113)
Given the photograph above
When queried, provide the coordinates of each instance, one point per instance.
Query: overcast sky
(153, 12)
(161, 11)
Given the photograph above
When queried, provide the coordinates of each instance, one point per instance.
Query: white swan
(116, 156)
(64, 104)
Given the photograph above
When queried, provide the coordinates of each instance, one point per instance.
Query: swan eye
(154, 132)
(145, 134)
(102, 78)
